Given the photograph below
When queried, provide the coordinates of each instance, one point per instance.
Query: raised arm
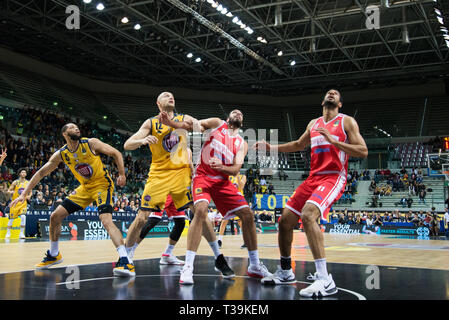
(100, 147)
(141, 137)
(46, 169)
(293, 146)
(190, 123)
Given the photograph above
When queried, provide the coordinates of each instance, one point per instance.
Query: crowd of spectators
(428, 219)
(385, 183)
(257, 183)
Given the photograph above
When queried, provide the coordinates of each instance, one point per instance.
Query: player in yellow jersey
(170, 174)
(239, 181)
(82, 157)
(19, 210)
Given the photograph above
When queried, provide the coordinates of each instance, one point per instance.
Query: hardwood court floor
(380, 250)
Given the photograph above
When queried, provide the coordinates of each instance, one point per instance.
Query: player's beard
(330, 104)
(74, 136)
(235, 123)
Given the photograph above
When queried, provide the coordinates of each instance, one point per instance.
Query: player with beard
(333, 138)
(82, 157)
(222, 155)
(169, 174)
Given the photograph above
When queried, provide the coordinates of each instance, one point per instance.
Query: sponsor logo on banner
(344, 228)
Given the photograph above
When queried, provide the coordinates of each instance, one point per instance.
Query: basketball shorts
(18, 210)
(84, 195)
(223, 192)
(176, 183)
(320, 190)
(170, 209)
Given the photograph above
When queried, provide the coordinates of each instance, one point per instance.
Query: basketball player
(170, 174)
(82, 157)
(239, 181)
(334, 138)
(19, 210)
(222, 155)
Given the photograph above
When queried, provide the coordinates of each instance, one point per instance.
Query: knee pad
(151, 223)
(178, 228)
(105, 208)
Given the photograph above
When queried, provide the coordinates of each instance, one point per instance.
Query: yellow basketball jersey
(169, 153)
(233, 179)
(20, 187)
(85, 165)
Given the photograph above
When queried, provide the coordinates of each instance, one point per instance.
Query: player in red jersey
(222, 155)
(333, 138)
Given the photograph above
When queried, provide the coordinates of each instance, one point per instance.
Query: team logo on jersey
(170, 141)
(336, 123)
(85, 170)
(20, 191)
(147, 198)
(198, 190)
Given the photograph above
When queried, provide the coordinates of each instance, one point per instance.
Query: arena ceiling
(238, 47)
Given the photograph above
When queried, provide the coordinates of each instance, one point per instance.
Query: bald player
(170, 174)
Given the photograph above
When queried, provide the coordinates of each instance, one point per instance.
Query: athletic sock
(169, 249)
(220, 237)
(286, 263)
(123, 253)
(215, 248)
(254, 258)
(321, 268)
(54, 248)
(190, 257)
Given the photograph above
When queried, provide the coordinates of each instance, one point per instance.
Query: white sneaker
(171, 259)
(22, 236)
(280, 277)
(259, 271)
(8, 236)
(321, 287)
(186, 275)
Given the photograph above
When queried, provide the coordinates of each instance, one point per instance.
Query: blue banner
(269, 201)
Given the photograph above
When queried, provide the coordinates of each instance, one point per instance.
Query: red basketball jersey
(326, 158)
(221, 145)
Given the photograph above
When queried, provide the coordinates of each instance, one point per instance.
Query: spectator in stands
(269, 217)
(342, 219)
(39, 202)
(271, 189)
(378, 220)
(369, 220)
(409, 202)
(403, 171)
(358, 219)
(434, 224)
(91, 207)
(372, 186)
(447, 203)
(350, 219)
(422, 196)
(446, 220)
(402, 202)
(416, 220)
(262, 216)
(4, 197)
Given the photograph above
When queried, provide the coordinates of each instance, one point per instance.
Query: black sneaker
(243, 246)
(219, 243)
(222, 265)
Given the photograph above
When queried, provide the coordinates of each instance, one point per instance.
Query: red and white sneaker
(186, 275)
(171, 259)
(258, 271)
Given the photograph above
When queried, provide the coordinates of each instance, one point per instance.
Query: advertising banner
(269, 201)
